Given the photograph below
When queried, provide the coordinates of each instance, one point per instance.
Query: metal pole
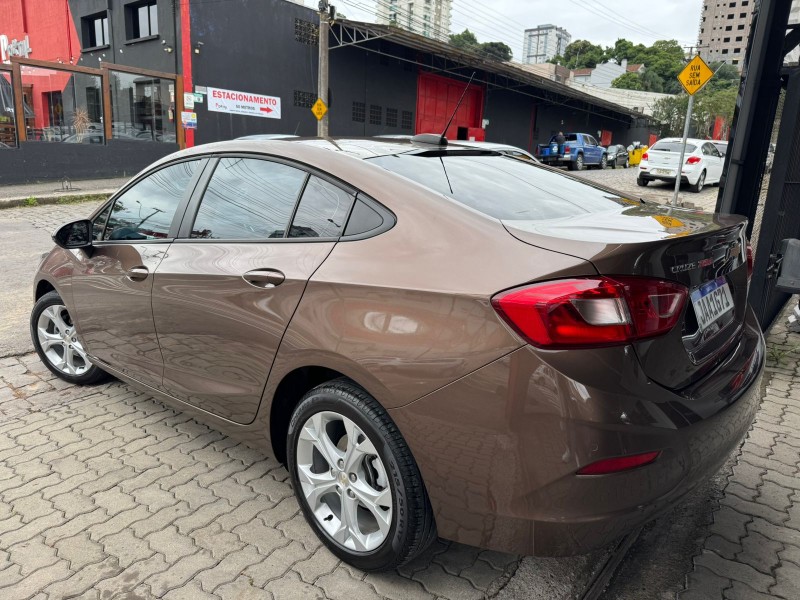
(683, 149)
(322, 81)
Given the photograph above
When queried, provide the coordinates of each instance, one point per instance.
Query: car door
(716, 160)
(112, 282)
(591, 150)
(224, 294)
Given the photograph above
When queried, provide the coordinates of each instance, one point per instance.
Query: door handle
(137, 273)
(264, 278)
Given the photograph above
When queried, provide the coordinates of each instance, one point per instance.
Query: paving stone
(228, 569)
(242, 589)
(73, 503)
(276, 565)
(84, 579)
(126, 548)
(193, 494)
(457, 558)
(118, 522)
(36, 581)
(318, 564)
(266, 539)
(723, 547)
(740, 591)
(161, 519)
(759, 552)
(754, 509)
(32, 555)
(397, 587)
(154, 498)
(340, 585)
(290, 586)
(730, 524)
(215, 540)
(32, 507)
(79, 550)
(788, 581)
(297, 528)
(128, 580)
(482, 575)
(235, 493)
(191, 591)
(179, 573)
(735, 571)
(437, 581)
(703, 584)
(171, 544)
(790, 553)
(202, 516)
(784, 535)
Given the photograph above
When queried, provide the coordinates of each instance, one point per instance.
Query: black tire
(577, 164)
(412, 528)
(613, 164)
(603, 162)
(701, 181)
(91, 375)
(625, 164)
(642, 182)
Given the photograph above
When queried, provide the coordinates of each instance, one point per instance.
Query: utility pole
(322, 80)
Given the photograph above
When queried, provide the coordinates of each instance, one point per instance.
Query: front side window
(248, 199)
(145, 211)
(322, 211)
(99, 224)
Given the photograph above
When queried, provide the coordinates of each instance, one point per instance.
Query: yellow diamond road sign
(695, 75)
(319, 109)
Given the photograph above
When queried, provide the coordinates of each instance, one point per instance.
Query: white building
(543, 43)
(603, 75)
(794, 18)
(430, 18)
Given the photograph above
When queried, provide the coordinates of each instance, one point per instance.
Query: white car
(702, 163)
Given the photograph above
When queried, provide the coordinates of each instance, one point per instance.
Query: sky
(641, 21)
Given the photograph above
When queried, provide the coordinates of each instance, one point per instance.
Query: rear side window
(322, 211)
(665, 146)
(145, 211)
(502, 187)
(248, 199)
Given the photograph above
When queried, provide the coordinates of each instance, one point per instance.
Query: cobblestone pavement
(752, 548)
(107, 493)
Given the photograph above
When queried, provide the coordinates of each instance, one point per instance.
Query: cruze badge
(699, 264)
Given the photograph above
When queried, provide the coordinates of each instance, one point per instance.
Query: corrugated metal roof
(472, 59)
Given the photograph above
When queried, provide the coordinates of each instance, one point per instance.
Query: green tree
(628, 81)
(465, 40)
(581, 54)
(496, 51)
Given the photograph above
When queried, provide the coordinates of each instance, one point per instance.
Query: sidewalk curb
(59, 198)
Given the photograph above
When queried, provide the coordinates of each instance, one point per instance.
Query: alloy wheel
(344, 481)
(60, 343)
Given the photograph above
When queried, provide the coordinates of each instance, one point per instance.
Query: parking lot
(107, 493)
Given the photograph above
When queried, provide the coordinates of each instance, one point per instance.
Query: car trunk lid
(703, 251)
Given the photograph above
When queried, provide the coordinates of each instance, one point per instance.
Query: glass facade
(62, 106)
(8, 127)
(143, 108)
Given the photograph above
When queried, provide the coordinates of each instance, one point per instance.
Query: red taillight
(566, 149)
(645, 156)
(592, 312)
(692, 160)
(621, 463)
(749, 261)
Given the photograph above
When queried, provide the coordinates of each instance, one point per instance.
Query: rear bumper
(500, 448)
(552, 160)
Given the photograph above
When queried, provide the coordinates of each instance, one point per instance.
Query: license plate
(662, 172)
(711, 300)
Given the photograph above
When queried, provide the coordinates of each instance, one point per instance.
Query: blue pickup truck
(578, 151)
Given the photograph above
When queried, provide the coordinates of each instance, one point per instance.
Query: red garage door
(437, 98)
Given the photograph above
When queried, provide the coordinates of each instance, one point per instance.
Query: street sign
(695, 75)
(319, 109)
(244, 103)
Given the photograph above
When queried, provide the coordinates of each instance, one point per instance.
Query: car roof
(695, 141)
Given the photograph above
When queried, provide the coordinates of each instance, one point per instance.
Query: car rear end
(660, 162)
(631, 386)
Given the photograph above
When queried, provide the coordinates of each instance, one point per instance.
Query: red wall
(52, 36)
(437, 98)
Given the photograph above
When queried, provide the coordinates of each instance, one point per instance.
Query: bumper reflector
(621, 463)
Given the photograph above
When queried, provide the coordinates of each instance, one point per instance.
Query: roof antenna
(441, 140)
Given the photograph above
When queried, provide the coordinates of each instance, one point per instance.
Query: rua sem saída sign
(243, 103)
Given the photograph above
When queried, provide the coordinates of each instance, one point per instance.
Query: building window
(730, 17)
(408, 120)
(727, 39)
(724, 50)
(375, 114)
(737, 50)
(94, 30)
(141, 20)
(735, 61)
(740, 28)
(391, 117)
(739, 38)
(304, 99)
(306, 32)
(732, 5)
(729, 28)
(359, 112)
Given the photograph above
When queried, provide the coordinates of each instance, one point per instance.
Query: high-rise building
(724, 29)
(543, 43)
(430, 18)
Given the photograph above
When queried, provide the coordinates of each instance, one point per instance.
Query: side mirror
(789, 273)
(77, 234)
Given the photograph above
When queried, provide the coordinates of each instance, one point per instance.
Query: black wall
(510, 116)
(45, 161)
(146, 54)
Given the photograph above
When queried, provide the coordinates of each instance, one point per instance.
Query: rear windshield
(569, 137)
(672, 147)
(503, 187)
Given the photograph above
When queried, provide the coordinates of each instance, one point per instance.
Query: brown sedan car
(436, 340)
